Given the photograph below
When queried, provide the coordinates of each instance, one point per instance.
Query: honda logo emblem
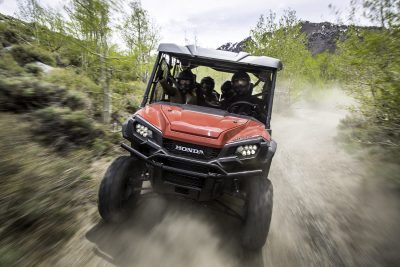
(189, 149)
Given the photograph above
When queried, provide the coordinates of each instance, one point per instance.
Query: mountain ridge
(321, 37)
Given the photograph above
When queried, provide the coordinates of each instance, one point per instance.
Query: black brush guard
(198, 179)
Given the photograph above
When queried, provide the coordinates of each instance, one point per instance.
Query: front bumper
(199, 179)
(216, 167)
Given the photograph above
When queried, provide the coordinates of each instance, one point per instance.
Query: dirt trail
(328, 211)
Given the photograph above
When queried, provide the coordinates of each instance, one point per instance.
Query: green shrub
(24, 93)
(69, 78)
(8, 66)
(69, 55)
(76, 100)
(61, 61)
(9, 256)
(64, 128)
(33, 68)
(8, 36)
(24, 54)
(77, 83)
(132, 105)
(42, 195)
(13, 31)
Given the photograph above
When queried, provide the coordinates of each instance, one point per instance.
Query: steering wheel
(244, 108)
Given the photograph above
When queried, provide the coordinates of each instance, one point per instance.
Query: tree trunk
(106, 91)
(104, 81)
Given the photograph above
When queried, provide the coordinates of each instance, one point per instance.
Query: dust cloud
(328, 211)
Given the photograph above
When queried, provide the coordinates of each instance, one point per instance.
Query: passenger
(184, 90)
(227, 91)
(210, 96)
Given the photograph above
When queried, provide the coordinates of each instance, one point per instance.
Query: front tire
(119, 189)
(258, 213)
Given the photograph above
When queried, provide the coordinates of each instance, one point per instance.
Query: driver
(237, 89)
(184, 91)
(240, 89)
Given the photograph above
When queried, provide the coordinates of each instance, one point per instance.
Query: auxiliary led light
(143, 130)
(246, 150)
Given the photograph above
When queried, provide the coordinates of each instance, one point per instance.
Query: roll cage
(172, 58)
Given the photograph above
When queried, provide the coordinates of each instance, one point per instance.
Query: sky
(211, 22)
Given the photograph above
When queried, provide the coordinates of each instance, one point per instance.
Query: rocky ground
(328, 211)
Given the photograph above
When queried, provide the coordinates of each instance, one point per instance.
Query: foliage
(49, 130)
(81, 38)
(385, 13)
(46, 24)
(8, 65)
(12, 31)
(327, 64)
(72, 79)
(140, 36)
(374, 58)
(127, 97)
(24, 93)
(283, 39)
(76, 100)
(24, 54)
(78, 82)
(63, 128)
(33, 68)
(370, 69)
(42, 194)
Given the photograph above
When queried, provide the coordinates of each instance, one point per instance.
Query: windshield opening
(234, 91)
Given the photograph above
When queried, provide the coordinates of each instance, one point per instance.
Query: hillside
(320, 36)
(50, 138)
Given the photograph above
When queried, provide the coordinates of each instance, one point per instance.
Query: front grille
(190, 150)
(183, 180)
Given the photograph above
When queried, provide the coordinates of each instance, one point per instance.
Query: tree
(139, 34)
(370, 66)
(384, 12)
(90, 22)
(283, 40)
(32, 12)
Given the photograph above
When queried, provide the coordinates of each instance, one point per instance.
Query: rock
(44, 67)
(322, 36)
(234, 47)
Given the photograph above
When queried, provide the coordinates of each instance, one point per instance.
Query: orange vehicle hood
(200, 126)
